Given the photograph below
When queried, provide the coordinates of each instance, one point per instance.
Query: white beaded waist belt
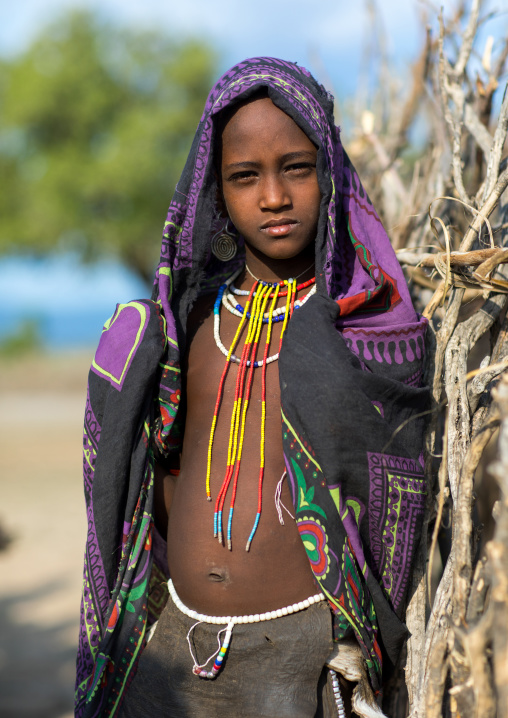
(229, 622)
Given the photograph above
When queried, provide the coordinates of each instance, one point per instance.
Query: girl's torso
(208, 576)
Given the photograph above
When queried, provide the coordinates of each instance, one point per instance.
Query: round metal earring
(223, 244)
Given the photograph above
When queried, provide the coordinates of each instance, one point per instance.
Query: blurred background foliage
(24, 340)
(95, 128)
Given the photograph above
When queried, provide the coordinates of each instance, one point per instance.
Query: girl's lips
(279, 230)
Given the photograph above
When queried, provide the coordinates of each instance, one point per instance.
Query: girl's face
(269, 180)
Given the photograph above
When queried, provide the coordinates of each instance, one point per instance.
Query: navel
(218, 575)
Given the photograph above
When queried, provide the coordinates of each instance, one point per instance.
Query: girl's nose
(274, 193)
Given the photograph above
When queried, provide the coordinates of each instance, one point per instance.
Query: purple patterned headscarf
(350, 368)
(357, 264)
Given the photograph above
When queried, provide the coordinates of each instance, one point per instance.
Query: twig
(452, 119)
(497, 551)
(479, 588)
(420, 73)
(470, 236)
(477, 129)
(457, 259)
(497, 147)
(467, 40)
(443, 478)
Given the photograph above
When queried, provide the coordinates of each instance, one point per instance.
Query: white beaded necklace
(229, 622)
(229, 303)
(237, 313)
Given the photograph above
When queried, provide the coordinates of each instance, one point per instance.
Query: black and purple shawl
(350, 371)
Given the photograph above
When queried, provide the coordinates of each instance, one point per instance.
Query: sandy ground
(42, 509)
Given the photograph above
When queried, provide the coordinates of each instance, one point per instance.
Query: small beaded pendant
(230, 622)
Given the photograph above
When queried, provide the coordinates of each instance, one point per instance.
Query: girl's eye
(300, 168)
(242, 176)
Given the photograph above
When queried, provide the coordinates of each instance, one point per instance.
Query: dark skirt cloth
(272, 669)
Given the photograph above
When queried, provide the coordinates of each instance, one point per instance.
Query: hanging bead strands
(242, 397)
(261, 295)
(230, 622)
(216, 312)
(263, 423)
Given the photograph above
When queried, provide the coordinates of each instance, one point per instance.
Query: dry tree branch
(472, 697)
(452, 118)
(434, 666)
(484, 213)
(467, 40)
(497, 551)
(420, 72)
(441, 497)
(453, 591)
(463, 339)
(477, 129)
(457, 259)
(448, 670)
(479, 590)
(497, 148)
(415, 621)
(486, 210)
(482, 377)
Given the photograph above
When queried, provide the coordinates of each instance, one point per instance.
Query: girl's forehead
(261, 120)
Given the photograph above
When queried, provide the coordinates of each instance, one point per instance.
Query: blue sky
(327, 36)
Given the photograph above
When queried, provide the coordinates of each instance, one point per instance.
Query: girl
(268, 374)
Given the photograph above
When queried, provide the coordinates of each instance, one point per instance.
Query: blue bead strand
(230, 522)
(254, 528)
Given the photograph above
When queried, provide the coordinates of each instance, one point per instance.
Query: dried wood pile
(446, 210)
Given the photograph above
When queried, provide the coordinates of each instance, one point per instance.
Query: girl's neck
(275, 270)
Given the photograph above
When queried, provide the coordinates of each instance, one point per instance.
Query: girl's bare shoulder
(199, 314)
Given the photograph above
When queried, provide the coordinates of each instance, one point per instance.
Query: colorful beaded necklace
(229, 303)
(261, 295)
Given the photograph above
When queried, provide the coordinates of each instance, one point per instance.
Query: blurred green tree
(95, 127)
